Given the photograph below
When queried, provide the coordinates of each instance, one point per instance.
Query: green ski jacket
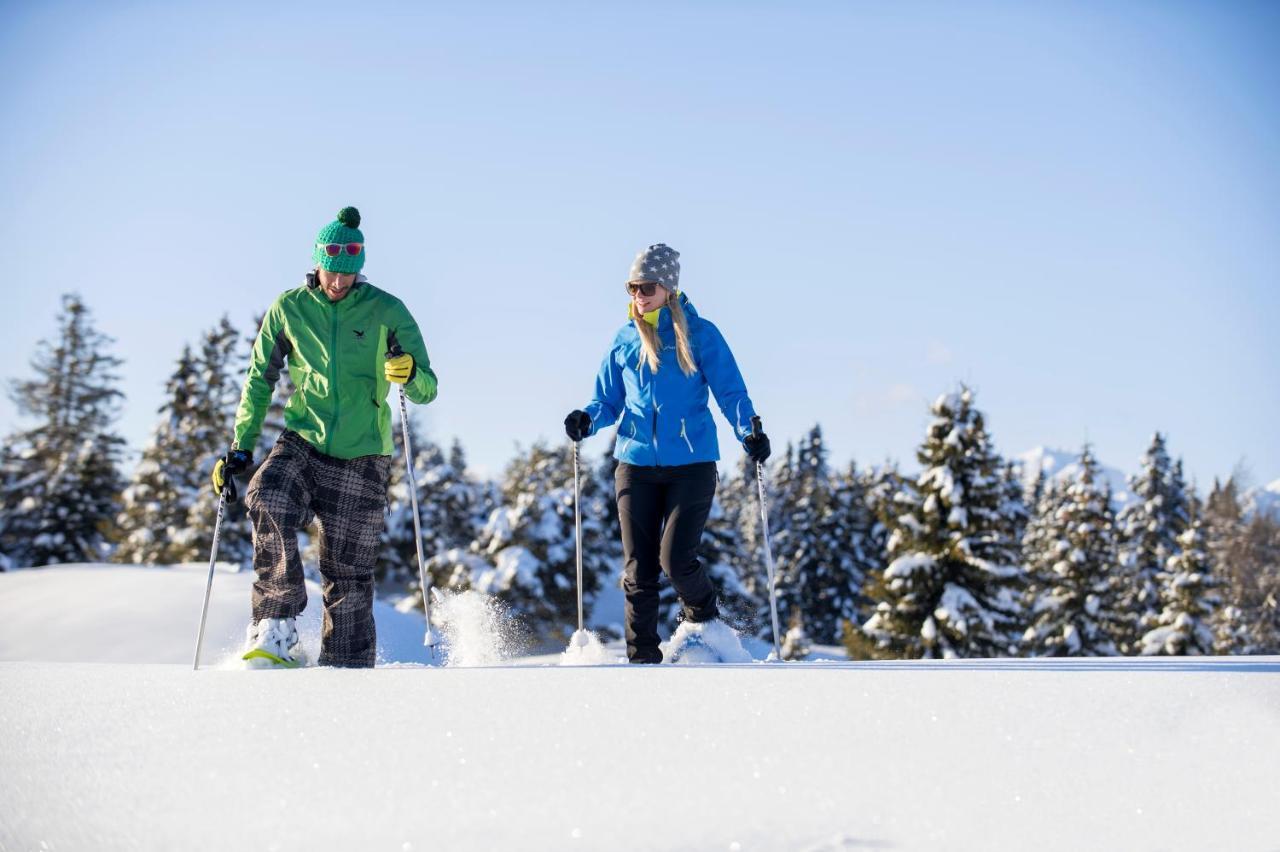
(335, 352)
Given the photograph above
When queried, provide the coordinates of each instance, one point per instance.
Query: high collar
(663, 316)
(313, 285)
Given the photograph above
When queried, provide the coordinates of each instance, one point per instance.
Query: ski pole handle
(394, 352)
(756, 428)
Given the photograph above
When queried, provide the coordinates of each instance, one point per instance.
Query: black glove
(757, 447)
(577, 425)
(235, 461)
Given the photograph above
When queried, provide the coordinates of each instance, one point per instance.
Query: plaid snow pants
(347, 498)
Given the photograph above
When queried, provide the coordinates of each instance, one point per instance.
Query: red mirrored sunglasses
(335, 249)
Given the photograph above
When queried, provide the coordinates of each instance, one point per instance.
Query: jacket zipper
(333, 378)
(684, 435)
(656, 458)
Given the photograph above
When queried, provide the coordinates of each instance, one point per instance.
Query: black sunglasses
(644, 288)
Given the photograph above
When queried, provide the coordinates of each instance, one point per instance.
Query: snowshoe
(273, 643)
(693, 650)
(705, 642)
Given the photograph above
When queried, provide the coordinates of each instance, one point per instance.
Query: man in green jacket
(346, 342)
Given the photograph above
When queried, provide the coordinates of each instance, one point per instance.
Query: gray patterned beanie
(659, 263)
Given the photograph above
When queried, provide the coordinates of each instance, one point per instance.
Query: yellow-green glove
(400, 368)
(235, 461)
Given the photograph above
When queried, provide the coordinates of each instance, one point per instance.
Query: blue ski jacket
(665, 417)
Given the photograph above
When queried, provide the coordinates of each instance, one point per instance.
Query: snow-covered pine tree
(889, 496)
(452, 507)
(212, 419)
(818, 579)
(1148, 535)
(862, 537)
(753, 573)
(398, 556)
(463, 502)
(1070, 551)
(1014, 510)
(153, 523)
(1189, 593)
(1223, 521)
(1033, 494)
(1223, 524)
(952, 586)
(1245, 555)
(885, 484)
(61, 477)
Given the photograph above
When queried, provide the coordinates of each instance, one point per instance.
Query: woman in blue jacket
(656, 378)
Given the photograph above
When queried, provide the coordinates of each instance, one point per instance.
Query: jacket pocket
(626, 432)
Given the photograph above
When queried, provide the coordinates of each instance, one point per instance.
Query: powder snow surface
(1003, 754)
(149, 614)
(1081, 755)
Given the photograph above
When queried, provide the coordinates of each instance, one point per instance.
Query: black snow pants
(347, 497)
(663, 511)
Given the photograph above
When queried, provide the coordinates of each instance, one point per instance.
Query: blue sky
(1075, 208)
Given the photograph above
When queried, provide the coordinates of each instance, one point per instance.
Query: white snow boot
(273, 643)
(705, 642)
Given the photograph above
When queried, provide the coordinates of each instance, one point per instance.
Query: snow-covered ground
(148, 614)
(1007, 754)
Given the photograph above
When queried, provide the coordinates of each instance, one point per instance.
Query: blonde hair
(651, 347)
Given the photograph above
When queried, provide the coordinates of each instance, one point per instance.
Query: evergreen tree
(951, 588)
(1149, 529)
(1035, 493)
(750, 567)
(1014, 511)
(1071, 555)
(888, 496)
(1223, 524)
(862, 536)
(61, 477)
(1189, 592)
(1246, 555)
(819, 577)
(451, 505)
(153, 522)
(212, 418)
(398, 555)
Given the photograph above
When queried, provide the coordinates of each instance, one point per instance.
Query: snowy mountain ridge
(1263, 499)
(1060, 465)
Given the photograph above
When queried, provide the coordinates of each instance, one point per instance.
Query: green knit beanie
(343, 230)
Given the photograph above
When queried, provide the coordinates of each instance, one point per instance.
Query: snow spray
(478, 629)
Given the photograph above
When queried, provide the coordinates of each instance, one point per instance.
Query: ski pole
(577, 531)
(430, 639)
(756, 430)
(208, 587)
